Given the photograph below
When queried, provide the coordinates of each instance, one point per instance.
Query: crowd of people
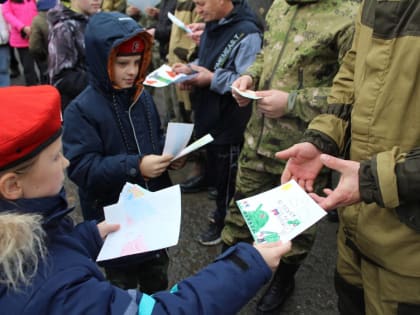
(336, 85)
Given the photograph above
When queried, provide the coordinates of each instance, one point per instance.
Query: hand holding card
(247, 93)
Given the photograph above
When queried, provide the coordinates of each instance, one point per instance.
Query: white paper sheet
(195, 145)
(281, 213)
(177, 137)
(248, 94)
(148, 221)
(179, 23)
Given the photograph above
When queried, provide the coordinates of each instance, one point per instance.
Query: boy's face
(126, 69)
(87, 7)
(46, 177)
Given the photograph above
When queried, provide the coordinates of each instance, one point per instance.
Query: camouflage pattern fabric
(307, 41)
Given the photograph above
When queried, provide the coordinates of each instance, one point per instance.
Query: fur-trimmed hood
(104, 32)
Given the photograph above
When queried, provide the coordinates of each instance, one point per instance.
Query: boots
(279, 289)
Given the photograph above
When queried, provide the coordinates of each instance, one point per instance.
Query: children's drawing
(280, 213)
(142, 216)
(164, 76)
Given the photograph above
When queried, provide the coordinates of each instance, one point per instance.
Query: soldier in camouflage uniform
(303, 45)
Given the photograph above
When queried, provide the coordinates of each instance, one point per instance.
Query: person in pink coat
(19, 15)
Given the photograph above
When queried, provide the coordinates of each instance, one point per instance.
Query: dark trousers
(222, 162)
(149, 276)
(14, 63)
(28, 64)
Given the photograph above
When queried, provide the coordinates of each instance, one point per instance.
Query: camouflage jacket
(307, 40)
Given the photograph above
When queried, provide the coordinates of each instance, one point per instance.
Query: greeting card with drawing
(280, 213)
(164, 76)
(148, 221)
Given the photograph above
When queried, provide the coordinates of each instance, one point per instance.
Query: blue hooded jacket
(107, 130)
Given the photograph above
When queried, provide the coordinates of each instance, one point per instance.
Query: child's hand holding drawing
(272, 252)
(106, 228)
(152, 165)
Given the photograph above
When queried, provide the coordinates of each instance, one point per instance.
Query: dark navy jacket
(215, 113)
(106, 132)
(69, 282)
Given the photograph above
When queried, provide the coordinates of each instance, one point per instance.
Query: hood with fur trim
(104, 32)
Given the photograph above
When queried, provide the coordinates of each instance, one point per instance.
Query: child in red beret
(47, 265)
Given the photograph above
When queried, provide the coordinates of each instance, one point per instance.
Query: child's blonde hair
(22, 246)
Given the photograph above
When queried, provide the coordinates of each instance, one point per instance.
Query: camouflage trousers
(251, 180)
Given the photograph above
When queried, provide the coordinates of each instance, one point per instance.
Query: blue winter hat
(44, 5)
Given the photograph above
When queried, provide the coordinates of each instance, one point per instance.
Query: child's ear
(10, 187)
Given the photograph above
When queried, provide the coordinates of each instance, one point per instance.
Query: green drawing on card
(256, 219)
(295, 222)
(267, 237)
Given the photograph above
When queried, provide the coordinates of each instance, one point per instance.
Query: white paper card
(248, 94)
(179, 23)
(164, 76)
(148, 221)
(281, 213)
(177, 137)
(195, 145)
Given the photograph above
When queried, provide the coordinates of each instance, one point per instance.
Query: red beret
(132, 46)
(30, 120)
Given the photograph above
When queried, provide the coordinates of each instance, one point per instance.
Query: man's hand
(152, 166)
(303, 164)
(197, 29)
(273, 103)
(347, 191)
(186, 69)
(203, 77)
(242, 83)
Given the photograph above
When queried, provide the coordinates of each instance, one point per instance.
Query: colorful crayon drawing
(164, 76)
(289, 212)
(142, 216)
(257, 218)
